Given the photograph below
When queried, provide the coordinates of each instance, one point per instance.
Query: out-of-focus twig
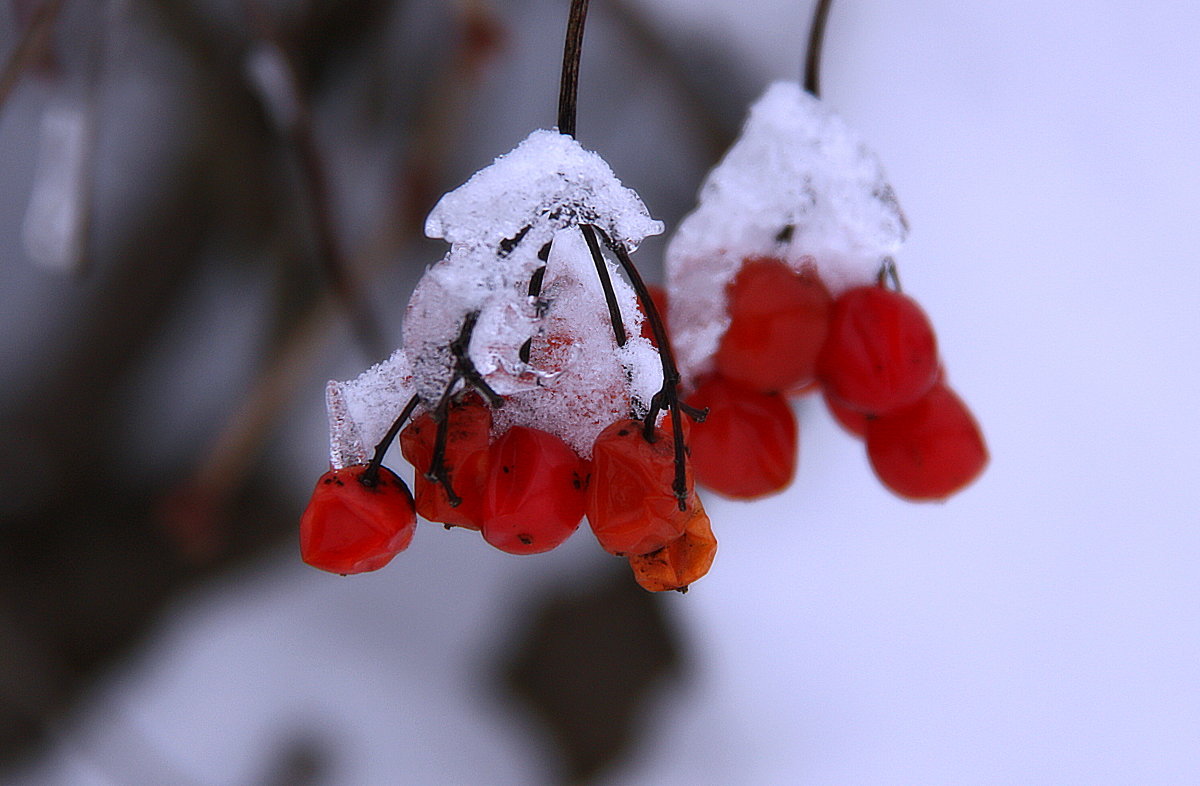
(227, 463)
(668, 64)
(29, 48)
(288, 107)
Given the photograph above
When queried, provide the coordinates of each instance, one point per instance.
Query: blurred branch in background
(32, 47)
(252, 186)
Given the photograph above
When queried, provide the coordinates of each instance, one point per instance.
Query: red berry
(682, 561)
(881, 353)
(535, 492)
(746, 447)
(351, 527)
(778, 322)
(929, 450)
(469, 422)
(632, 506)
(850, 419)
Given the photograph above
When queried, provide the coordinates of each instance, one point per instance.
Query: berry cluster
(537, 392)
(872, 352)
(883, 382)
(536, 384)
(777, 289)
(525, 491)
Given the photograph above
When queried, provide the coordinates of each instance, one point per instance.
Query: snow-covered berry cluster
(778, 286)
(531, 395)
(536, 383)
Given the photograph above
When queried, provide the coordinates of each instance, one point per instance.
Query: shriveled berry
(682, 561)
(928, 450)
(881, 353)
(631, 505)
(746, 447)
(352, 527)
(778, 322)
(535, 492)
(468, 424)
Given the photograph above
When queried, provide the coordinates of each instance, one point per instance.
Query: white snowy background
(1041, 627)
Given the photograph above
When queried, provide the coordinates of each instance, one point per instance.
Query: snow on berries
(798, 186)
(518, 258)
(778, 286)
(523, 350)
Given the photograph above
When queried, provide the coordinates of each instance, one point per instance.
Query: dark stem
(668, 396)
(610, 297)
(464, 368)
(437, 464)
(371, 475)
(568, 88)
(816, 40)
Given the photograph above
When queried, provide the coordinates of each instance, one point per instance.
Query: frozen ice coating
(362, 410)
(799, 185)
(520, 214)
(578, 381)
(548, 180)
(498, 223)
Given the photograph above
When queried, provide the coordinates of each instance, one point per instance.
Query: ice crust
(499, 225)
(795, 164)
(361, 410)
(548, 181)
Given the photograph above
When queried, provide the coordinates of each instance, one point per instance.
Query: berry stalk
(370, 475)
(668, 396)
(568, 90)
(816, 41)
(610, 297)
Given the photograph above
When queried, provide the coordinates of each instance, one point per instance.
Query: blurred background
(212, 207)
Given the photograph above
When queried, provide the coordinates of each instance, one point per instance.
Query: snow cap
(798, 185)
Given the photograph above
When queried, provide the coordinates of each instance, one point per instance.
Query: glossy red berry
(928, 450)
(682, 561)
(778, 322)
(352, 527)
(469, 423)
(881, 353)
(535, 492)
(632, 506)
(746, 447)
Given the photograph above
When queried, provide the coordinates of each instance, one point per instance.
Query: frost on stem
(518, 259)
(797, 185)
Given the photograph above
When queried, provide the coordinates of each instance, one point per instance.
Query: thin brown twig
(297, 131)
(227, 462)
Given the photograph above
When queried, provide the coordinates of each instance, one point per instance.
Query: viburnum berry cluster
(536, 384)
(527, 390)
(778, 287)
